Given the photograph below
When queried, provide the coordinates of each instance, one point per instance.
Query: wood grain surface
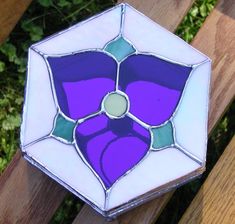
(10, 13)
(145, 213)
(214, 203)
(215, 39)
(34, 197)
(167, 13)
(25, 199)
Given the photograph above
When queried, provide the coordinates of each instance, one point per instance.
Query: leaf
(203, 10)
(21, 62)
(11, 122)
(194, 11)
(9, 50)
(2, 66)
(64, 3)
(209, 6)
(35, 31)
(3, 164)
(77, 2)
(19, 100)
(45, 3)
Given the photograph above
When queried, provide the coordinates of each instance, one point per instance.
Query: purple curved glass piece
(112, 147)
(154, 86)
(81, 78)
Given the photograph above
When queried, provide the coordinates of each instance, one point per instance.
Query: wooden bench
(29, 196)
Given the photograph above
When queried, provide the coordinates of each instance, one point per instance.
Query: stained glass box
(116, 109)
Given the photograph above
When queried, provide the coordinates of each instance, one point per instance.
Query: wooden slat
(214, 203)
(10, 13)
(216, 39)
(167, 13)
(142, 214)
(22, 195)
(32, 177)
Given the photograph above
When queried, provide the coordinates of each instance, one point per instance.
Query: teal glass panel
(63, 128)
(120, 48)
(162, 136)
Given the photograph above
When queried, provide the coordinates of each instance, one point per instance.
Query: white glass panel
(191, 118)
(86, 35)
(148, 36)
(64, 162)
(39, 108)
(157, 169)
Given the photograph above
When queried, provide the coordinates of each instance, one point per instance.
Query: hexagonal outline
(147, 195)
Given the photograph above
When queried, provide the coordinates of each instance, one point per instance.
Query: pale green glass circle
(115, 105)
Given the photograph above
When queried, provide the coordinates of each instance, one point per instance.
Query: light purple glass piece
(114, 147)
(81, 81)
(154, 86)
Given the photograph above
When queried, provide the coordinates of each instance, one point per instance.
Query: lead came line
(117, 76)
(133, 117)
(81, 120)
(188, 154)
(123, 13)
(35, 141)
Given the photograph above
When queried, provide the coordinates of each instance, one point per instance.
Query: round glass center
(115, 104)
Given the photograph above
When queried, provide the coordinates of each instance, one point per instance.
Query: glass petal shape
(81, 78)
(112, 146)
(154, 86)
(120, 48)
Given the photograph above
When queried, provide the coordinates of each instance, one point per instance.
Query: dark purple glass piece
(82, 80)
(154, 86)
(112, 147)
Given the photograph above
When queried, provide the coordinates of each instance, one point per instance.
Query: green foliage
(45, 3)
(9, 50)
(35, 32)
(2, 66)
(11, 122)
(194, 19)
(10, 105)
(68, 210)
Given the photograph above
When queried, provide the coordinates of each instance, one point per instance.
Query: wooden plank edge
(214, 201)
(11, 11)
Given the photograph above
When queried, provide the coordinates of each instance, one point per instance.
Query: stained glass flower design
(113, 97)
(116, 111)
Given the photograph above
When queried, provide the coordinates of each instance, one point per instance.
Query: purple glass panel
(112, 147)
(81, 78)
(154, 86)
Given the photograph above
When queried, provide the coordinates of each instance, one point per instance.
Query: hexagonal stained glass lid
(116, 109)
